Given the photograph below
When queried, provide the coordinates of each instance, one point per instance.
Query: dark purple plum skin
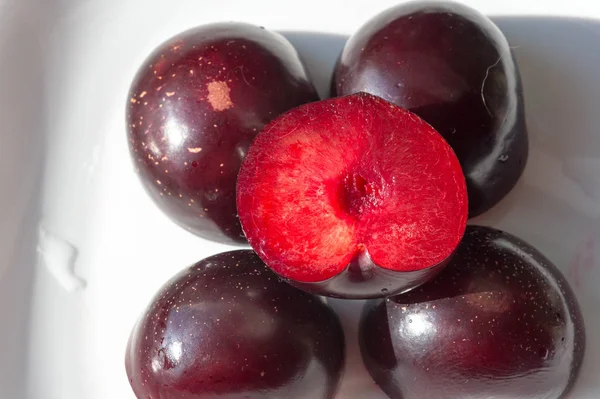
(364, 279)
(500, 321)
(195, 106)
(454, 68)
(228, 327)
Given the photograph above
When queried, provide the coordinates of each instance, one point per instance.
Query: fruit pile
(365, 195)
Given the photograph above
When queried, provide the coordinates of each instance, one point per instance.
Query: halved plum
(352, 197)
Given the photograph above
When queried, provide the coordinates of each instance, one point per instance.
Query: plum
(228, 327)
(500, 321)
(352, 197)
(195, 106)
(454, 68)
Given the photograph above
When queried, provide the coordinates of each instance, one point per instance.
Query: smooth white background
(65, 67)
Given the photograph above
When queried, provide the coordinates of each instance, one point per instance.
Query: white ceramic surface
(82, 248)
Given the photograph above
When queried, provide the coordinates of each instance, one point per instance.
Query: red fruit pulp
(332, 181)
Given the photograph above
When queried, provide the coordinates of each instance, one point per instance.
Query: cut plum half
(352, 197)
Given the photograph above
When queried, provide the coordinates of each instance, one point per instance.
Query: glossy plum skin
(364, 279)
(454, 68)
(228, 327)
(195, 106)
(500, 321)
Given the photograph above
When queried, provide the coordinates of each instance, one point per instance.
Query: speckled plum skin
(195, 106)
(500, 321)
(228, 327)
(454, 68)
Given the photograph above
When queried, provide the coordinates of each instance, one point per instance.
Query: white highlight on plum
(419, 325)
(58, 256)
(175, 133)
(155, 365)
(241, 152)
(175, 351)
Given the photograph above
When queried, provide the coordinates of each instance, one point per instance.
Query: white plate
(68, 190)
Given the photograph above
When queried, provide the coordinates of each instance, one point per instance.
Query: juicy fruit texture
(500, 321)
(194, 108)
(228, 327)
(454, 68)
(353, 194)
